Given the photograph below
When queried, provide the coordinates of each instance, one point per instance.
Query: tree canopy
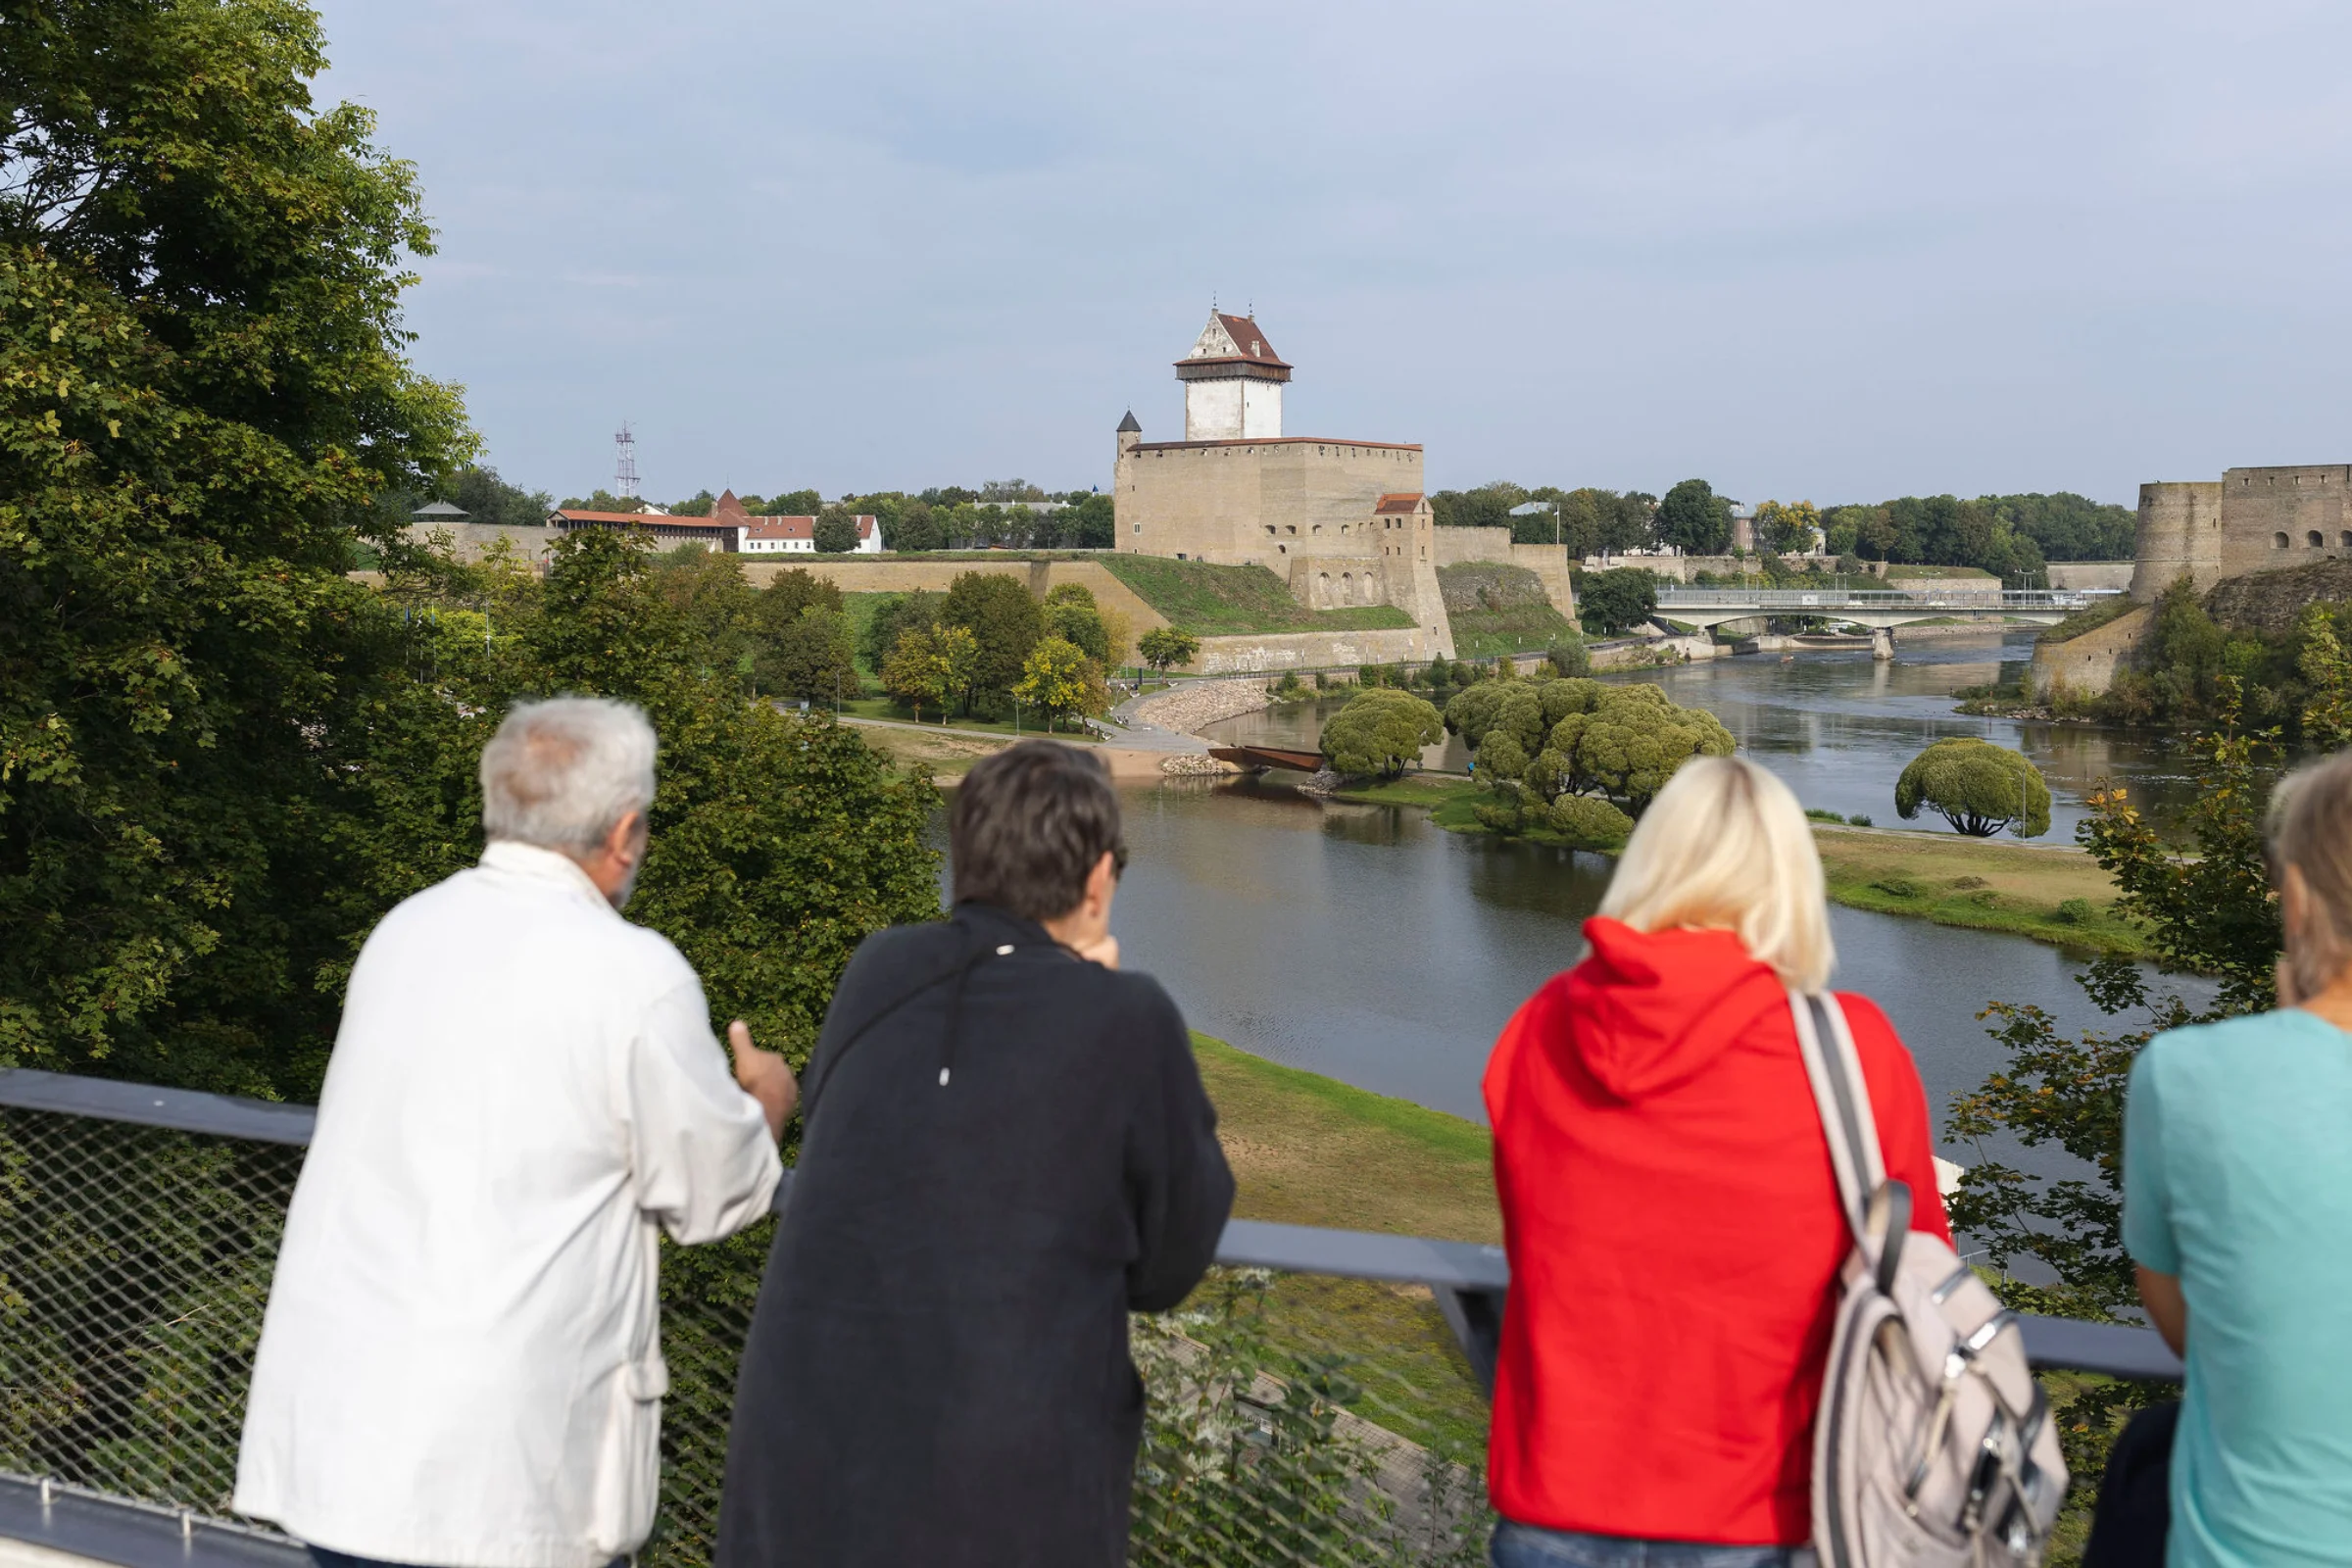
(1978, 787)
(1613, 601)
(1004, 623)
(1163, 647)
(1555, 738)
(1380, 731)
(1694, 518)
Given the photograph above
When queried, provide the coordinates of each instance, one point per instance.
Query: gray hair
(563, 773)
(2309, 828)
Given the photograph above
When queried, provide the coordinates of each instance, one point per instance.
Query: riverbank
(2050, 893)
(1306, 1149)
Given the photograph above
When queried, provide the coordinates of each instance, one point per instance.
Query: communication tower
(624, 474)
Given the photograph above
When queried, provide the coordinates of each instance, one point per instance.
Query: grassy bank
(1307, 1150)
(2047, 892)
(1211, 601)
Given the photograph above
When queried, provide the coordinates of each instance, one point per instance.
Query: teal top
(2238, 1178)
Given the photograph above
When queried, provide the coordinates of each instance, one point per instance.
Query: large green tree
(1004, 621)
(1976, 786)
(1694, 518)
(203, 390)
(1614, 601)
(1380, 731)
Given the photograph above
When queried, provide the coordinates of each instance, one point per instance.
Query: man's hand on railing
(766, 1076)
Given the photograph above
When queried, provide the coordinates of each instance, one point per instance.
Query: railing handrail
(1471, 1281)
(1876, 598)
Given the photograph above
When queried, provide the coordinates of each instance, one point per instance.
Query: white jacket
(460, 1362)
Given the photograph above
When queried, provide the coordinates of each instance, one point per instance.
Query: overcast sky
(1828, 250)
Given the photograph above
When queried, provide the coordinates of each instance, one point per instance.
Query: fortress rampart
(2253, 519)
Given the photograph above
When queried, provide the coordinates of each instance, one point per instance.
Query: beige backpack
(1934, 1445)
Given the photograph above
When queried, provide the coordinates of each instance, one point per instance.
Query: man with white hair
(461, 1364)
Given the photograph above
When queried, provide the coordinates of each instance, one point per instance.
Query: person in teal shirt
(2238, 1209)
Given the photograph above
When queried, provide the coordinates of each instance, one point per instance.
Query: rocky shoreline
(1188, 706)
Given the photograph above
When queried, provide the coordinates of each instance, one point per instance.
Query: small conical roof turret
(1128, 426)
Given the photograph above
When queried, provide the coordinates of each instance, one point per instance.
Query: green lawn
(1306, 1149)
(1230, 601)
(1520, 629)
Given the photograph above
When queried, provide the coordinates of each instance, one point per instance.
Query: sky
(1832, 251)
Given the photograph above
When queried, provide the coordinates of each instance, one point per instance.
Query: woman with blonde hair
(1672, 1222)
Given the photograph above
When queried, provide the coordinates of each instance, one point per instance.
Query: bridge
(1876, 607)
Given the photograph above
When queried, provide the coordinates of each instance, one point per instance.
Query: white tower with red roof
(1233, 382)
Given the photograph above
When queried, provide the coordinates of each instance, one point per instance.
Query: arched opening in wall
(2277, 541)
(2345, 540)
(1322, 590)
(1347, 587)
(2314, 540)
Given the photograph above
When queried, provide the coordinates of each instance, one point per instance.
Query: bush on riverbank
(1552, 738)
(1380, 732)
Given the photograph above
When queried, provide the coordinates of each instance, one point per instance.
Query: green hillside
(1227, 601)
(1498, 608)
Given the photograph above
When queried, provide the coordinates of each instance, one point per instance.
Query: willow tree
(1978, 787)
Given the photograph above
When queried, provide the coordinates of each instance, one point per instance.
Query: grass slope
(1230, 601)
(1307, 1150)
(1498, 608)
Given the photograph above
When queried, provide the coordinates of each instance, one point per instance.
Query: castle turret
(1130, 433)
(2180, 534)
(1233, 382)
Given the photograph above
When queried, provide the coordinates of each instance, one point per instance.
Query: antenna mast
(624, 474)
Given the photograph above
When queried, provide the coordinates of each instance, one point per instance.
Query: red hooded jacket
(1674, 1240)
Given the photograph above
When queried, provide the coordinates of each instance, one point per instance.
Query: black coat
(1007, 1149)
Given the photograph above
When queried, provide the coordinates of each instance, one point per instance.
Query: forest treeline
(2005, 535)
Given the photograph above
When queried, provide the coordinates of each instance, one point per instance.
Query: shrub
(1857, 820)
(1897, 887)
(1819, 816)
(1589, 823)
(1964, 883)
(2077, 912)
(1380, 731)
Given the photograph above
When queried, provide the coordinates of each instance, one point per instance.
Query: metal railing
(1320, 1399)
(2040, 599)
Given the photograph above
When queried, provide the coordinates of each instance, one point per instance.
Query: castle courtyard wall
(1216, 500)
(1273, 652)
(2282, 517)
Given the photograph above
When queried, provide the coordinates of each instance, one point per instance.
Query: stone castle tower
(1233, 382)
(2254, 520)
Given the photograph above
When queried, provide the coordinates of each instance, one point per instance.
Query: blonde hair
(2309, 828)
(1725, 848)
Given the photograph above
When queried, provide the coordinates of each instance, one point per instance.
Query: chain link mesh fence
(1291, 1418)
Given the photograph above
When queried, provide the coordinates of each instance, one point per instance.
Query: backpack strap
(1877, 1211)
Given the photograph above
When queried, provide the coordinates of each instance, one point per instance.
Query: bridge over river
(1877, 608)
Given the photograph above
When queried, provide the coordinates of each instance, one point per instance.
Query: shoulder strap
(1843, 1102)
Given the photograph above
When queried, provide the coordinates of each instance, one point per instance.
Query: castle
(1342, 523)
(2253, 519)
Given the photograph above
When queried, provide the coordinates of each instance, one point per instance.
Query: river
(1365, 943)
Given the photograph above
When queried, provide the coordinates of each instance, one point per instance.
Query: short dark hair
(1029, 826)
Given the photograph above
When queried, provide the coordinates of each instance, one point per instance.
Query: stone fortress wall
(2251, 521)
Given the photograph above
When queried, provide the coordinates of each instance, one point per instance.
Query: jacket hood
(1648, 1010)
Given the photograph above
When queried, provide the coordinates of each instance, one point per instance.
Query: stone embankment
(1188, 706)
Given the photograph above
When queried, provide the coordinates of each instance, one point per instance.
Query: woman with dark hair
(1006, 1151)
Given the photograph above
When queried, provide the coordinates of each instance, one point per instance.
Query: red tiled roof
(1401, 502)
(1251, 341)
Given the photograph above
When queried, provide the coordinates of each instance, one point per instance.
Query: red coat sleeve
(1899, 1105)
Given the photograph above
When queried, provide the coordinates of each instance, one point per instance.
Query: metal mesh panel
(1291, 1418)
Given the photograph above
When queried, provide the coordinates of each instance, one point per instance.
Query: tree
(1060, 679)
(1693, 518)
(895, 614)
(1787, 527)
(835, 531)
(927, 664)
(1082, 624)
(1978, 787)
(706, 588)
(813, 658)
(1004, 623)
(1163, 647)
(1380, 731)
(1558, 738)
(916, 530)
(1610, 602)
(203, 389)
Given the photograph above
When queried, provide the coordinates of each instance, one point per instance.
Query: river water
(1367, 944)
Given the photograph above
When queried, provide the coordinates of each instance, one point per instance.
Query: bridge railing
(1321, 1399)
(1806, 599)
